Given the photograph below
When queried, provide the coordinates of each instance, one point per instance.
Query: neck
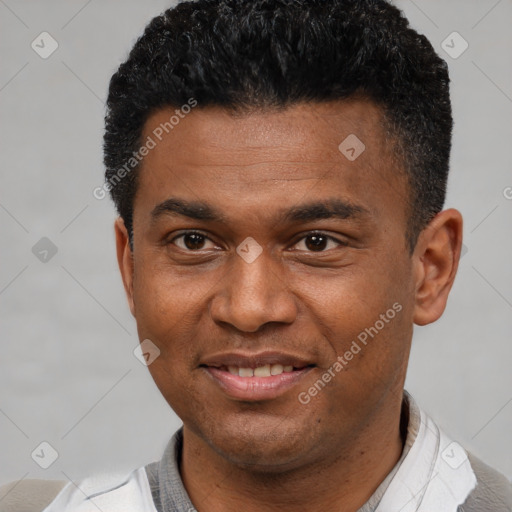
(342, 480)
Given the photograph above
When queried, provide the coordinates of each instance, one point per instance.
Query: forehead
(268, 158)
(303, 132)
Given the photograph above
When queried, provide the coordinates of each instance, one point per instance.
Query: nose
(252, 295)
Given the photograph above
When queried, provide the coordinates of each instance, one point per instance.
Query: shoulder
(101, 491)
(492, 492)
(29, 495)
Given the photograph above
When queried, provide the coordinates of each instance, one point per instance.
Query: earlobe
(436, 259)
(125, 260)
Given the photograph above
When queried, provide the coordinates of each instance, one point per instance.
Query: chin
(262, 447)
(263, 459)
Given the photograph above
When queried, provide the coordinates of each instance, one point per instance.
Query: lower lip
(256, 388)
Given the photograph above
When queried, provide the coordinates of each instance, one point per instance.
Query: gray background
(68, 375)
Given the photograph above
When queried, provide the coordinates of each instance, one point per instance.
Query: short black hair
(246, 55)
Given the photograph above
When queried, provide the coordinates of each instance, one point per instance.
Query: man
(279, 168)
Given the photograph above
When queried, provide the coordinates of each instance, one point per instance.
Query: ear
(125, 260)
(435, 261)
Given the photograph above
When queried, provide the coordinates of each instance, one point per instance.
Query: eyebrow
(328, 209)
(193, 209)
(309, 212)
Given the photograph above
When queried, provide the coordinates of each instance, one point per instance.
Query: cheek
(179, 390)
(168, 320)
(169, 312)
(166, 300)
(371, 362)
(366, 316)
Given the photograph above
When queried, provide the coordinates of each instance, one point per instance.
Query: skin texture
(309, 302)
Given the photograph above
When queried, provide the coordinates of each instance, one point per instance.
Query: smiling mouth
(267, 370)
(256, 380)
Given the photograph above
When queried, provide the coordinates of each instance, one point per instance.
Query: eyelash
(311, 233)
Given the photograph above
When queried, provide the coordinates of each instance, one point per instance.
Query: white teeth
(276, 369)
(245, 372)
(262, 371)
(266, 370)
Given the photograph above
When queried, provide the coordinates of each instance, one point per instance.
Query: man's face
(333, 261)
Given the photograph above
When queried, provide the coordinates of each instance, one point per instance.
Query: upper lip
(254, 360)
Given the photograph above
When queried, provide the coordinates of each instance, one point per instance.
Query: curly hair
(245, 55)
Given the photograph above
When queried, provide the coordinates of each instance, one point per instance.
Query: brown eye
(318, 242)
(192, 241)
